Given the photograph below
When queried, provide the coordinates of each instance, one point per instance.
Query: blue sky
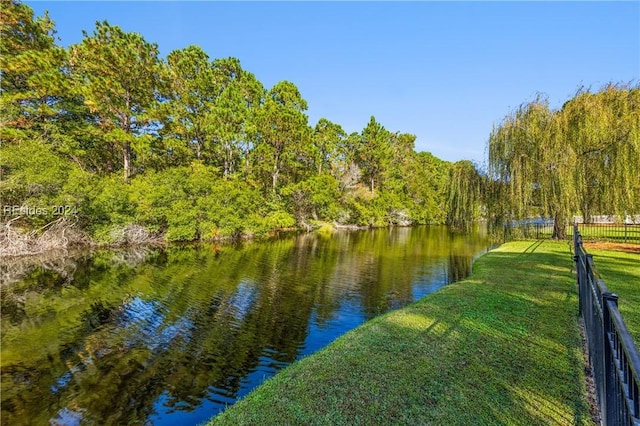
(444, 71)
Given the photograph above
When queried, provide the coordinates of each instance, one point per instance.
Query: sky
(446, 72)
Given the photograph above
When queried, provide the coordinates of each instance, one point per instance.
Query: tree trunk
(274, 173)
(586, 214)
(559, 227)
(247, 151)
(229, 164)
(125, 124)
(127, 160)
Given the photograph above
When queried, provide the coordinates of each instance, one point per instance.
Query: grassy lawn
(501, 347)
(621, 272)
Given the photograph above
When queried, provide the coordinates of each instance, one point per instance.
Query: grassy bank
(501, 347)
(621, 272)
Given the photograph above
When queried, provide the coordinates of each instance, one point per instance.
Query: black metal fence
(613, 355)
(628, 233)
(536, 230)
(615, 232)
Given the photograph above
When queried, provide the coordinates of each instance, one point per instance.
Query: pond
(174, 336)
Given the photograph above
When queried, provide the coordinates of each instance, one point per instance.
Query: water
(168, 337)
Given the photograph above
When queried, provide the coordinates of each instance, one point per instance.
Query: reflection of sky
(267, 367)
(242, 300)
(350, 313)
(139, 311)
(143, 325)
(320, 335)
(198, 416)
(430, 279)
(64, 380)
(68, 417)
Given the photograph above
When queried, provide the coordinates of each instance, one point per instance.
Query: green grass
(621, 273)
(501, 347)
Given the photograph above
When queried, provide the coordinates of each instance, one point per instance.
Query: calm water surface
(174, 336)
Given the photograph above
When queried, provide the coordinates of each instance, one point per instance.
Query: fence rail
(613, 355)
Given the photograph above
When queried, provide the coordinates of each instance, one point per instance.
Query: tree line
(185, 146)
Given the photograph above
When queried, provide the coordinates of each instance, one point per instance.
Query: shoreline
(81, 241)
(493, 348)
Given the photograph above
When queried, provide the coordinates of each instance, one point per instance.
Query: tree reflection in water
(175, 335)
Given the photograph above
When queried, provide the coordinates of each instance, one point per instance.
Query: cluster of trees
(190, 148)
(582, 159)
(185, 146)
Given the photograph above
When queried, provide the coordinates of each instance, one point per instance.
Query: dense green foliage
(138, 146)
(464, 193)
(500, 347)
(186, 147)
(581, 159)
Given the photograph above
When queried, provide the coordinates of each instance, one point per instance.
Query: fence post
(588, 261)
(580, 285)
(576, 259)
(625, 233)
(609, 414)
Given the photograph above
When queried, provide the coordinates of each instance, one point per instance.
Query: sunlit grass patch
(413, 321)
(502, 347)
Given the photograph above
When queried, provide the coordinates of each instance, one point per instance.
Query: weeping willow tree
(531, 165)
(584, 158)
(604, 129)
(465, 195)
